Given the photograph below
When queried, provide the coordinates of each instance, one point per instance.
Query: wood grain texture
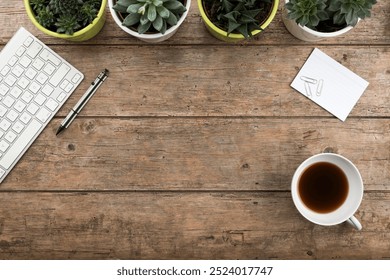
(188, 149)
(196, 153)
(161, 225)
(217, 81)
(374, 30)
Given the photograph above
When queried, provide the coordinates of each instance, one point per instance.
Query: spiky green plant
(312, 13)
(65, 16)
(237, 16)
(146, 15)
(349, 11)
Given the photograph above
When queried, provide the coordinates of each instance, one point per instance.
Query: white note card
(329, 84)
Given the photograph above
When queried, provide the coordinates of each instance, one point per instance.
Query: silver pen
(83, 100)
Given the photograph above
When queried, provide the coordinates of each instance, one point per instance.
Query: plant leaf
(131, 19)
(134, 8)
(142, 28)
(172, 19)
(163, 12)
(152, 14)
(158, 23)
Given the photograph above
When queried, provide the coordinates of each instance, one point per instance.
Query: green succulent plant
(149, 15)
(312, 13)
(65, 16)
(237, 16)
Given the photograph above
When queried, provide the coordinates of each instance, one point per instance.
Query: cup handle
(355, 223)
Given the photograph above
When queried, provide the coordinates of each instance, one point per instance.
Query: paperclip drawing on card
(308, 89)
(319, 87)
(308, 80)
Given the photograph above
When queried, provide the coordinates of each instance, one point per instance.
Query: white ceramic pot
(306, 34)
(150, 37)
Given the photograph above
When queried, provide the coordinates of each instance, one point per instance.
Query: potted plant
(74, 20)
(237, 20)
(149, 20)
(314, 20)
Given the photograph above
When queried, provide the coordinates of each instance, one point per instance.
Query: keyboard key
(23, 140)
(68, 87)
(3, 146)
(49, 69)
(59, 74)
(3, 89)
(12, 115)
(47, 90)
(61, 96)
(20, 51)
(34, 87)
(51, 104)
(34, 49)
(10, 136)
(32, 108)
(19, 106)
(5, 70)
(27, 96)
(43, 115)
(49, 56)
(28, 41)
(17, 71)
(23, 82)
(38, 64)
(12, 61)
(76, 78)
(31, 73)
(42, 78)
(64, 84)
(4, 125)
(25, 61)
(25, 118)
(40, 99)
(3, 110)
(16, 92)
(18, 127)
(10, 80)
(8, 101)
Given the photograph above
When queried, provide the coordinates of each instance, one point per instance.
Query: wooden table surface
(188, 149)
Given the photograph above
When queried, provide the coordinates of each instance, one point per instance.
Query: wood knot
(71, 147)
(330, 150)
(245, 166)
(88, 127)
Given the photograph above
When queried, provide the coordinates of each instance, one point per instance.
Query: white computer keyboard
(34, 83)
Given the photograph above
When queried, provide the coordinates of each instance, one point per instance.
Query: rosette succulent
(150, 15)
(65, 16)
(312, 13)
(237, 16)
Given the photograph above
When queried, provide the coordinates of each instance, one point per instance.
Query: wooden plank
(196, 153)
(218, 80)
(166, 225)
(371, 31)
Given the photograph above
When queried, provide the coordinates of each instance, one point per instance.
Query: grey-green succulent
(150, 15)
(312, 13)
(65, 16)
(237, 16)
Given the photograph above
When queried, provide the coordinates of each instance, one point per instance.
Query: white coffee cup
(352, 202)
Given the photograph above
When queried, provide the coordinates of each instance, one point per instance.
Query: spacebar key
(22, 142)
(59, 74)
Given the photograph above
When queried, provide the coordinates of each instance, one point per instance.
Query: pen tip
(61, 128)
